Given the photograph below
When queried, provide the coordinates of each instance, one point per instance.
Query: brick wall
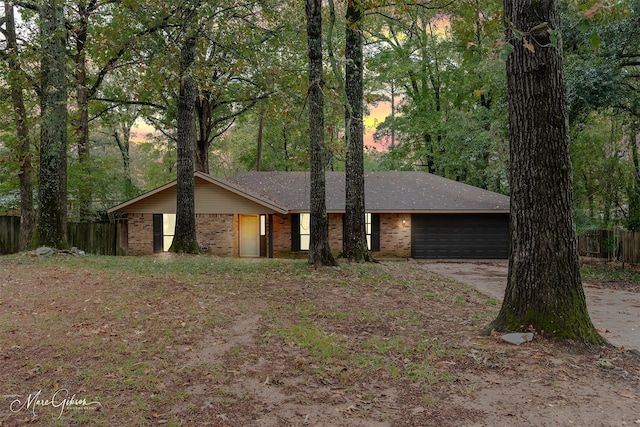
(395, 236)
(140, 234)
(219, 232)
(335, 233)
(213, 231)
(216, 232)
(282, 237)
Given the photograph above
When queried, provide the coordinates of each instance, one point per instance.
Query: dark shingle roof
(392, 191)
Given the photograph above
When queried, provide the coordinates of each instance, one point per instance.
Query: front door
(250, 235)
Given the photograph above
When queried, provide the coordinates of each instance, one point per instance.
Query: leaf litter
(280, 344)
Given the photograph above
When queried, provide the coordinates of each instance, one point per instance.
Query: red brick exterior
(217, 233)
(220, 234)
(395, 236)
(140, 227)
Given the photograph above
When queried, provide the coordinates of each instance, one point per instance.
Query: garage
(460, 236)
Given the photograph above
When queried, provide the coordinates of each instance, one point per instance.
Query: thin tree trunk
(52, 190)
(23, 151)
(393, 115)
(184, 240)
(124, 143)
(319, 251)
(355, 241)
(259, 142)
(544, 290)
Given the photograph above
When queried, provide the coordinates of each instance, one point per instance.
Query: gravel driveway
(615, 313)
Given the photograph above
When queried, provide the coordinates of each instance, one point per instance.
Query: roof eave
(242, 193)
(418, 211)
(210, 179)
(118, 208)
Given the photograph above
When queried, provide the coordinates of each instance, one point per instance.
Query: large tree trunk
(23, 149)
(52, 190)
(184, 240)
(355, 241)
(319, 251)
(203, 110)
(544, 290)
(82, 122)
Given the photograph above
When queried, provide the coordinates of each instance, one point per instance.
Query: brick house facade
(261, 210)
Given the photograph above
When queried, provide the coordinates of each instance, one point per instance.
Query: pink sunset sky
(377, 114)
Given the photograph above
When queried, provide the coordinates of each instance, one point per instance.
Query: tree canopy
(436, 69)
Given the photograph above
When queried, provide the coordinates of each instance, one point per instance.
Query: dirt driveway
(615, 313)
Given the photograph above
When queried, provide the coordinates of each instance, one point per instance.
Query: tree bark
(260, 135)
(319, 250)
(82, 122)
(355, 241)
(52, 190)
(123, 139)
(203, 110)
(23, 150)
(544, 289)
(184, 240)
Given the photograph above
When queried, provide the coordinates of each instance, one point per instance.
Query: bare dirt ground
(195, 341)
(614, 306)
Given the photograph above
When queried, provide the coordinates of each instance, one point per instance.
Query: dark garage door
(460, 236)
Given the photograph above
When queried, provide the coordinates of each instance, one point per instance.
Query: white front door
(250, 235)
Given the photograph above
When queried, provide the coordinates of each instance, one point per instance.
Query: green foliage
(601, 49)
(599, 170)
(9, 185)
(444, 67)
(451, 120)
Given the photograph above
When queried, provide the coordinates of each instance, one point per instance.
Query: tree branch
(128, 102)
(110, 64)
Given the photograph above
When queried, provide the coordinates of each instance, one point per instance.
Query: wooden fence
(9, 234)
(100, 238)
(623, 246)
(630, 247)
(109, 238)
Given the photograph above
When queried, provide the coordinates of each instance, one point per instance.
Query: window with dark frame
(301, 234)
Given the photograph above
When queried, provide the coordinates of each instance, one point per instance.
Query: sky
(377, 114)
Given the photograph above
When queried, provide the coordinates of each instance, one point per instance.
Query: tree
(439, 60)
(603, 63)
(355, 240)
(184, 240)
(100, 45)
(122, 134)
(52, 181)
(319, 251)
(544, 289)
(23, 146)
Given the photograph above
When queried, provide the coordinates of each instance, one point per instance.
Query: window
(305, 231)
(168, 230)
(368, 228)
(263, 225)
(164, 226)
(301, 231)
(374, 244)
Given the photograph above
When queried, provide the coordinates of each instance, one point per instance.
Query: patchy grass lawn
(193, 340)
